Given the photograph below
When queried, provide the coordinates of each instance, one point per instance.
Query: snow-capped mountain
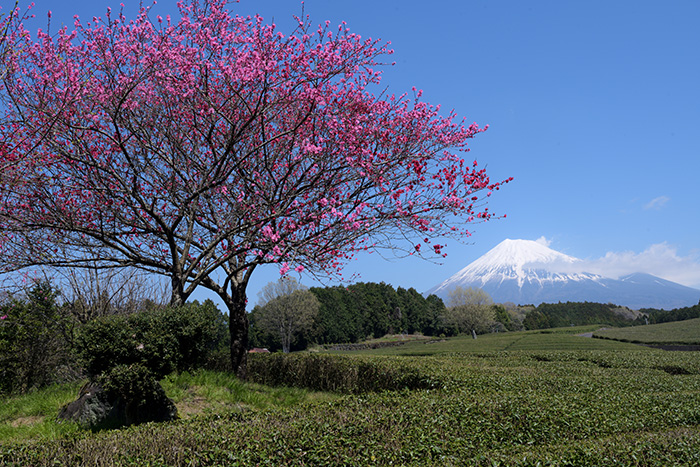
(528, 272)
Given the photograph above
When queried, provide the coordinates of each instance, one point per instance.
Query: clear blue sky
(593, 107)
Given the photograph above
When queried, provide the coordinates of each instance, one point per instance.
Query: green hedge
(349, 375)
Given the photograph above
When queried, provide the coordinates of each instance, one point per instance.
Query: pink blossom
(284, 269)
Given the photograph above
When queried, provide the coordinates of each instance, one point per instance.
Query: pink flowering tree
(202, 148)
(9, 20)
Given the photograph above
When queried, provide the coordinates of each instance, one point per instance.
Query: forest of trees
(371, 310)
(553, 315)
(359, 311)
(655, 316)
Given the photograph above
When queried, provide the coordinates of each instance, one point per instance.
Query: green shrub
(163, 340)
(106, 342)
(130, 382)
(36, 337)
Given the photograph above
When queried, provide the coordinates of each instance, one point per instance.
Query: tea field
(674, 333)
(531, 398)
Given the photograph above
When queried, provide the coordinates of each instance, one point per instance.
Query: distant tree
(469, 296)
(471, 310)
(92, 293)
(435, 309)
(279, 288)
(552, 315)
(654, 316)
(502, 316)
(203, 147)
(287, 309)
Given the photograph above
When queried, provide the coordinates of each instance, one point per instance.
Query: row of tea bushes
(334, 373)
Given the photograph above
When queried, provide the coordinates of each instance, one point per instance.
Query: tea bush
(349, 375)
(130, 383)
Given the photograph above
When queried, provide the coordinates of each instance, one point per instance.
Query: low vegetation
(528, 398)
(672, 333)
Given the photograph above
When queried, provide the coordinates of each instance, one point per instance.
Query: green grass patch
(673, 333)
(33, 415)
(208, 392)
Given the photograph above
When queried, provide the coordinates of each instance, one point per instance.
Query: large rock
(98, 409)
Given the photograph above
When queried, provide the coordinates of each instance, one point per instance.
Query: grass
(208, 392)
(677, 332)
(33, 416)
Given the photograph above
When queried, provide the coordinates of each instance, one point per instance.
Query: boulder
(98, 409)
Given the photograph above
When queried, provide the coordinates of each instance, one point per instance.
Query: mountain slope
(527, 272)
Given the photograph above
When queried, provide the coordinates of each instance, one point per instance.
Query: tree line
(655, 316)
(368, 310)
(554, 315)
(353, 313)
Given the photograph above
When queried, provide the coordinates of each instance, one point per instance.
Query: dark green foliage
(258, 335)
(36, 338)
(338, 320)
(664, 316)
(353, 313)
(502, 316)
(349, 375)
(554, 315)
(163, 340)
(132, 382)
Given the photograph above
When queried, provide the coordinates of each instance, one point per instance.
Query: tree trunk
(178, 297)
(238, 328)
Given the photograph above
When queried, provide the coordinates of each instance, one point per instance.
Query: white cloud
(657, 203)
(543, 241)
(661, 260)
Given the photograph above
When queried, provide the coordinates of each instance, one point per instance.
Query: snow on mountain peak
(529, 272)
(523, 260)
(521, 252)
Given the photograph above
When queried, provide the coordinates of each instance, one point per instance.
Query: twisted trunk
(238, 328)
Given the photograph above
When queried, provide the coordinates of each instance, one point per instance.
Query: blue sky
(593, 108)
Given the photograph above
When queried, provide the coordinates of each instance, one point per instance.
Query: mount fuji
(528, 272)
